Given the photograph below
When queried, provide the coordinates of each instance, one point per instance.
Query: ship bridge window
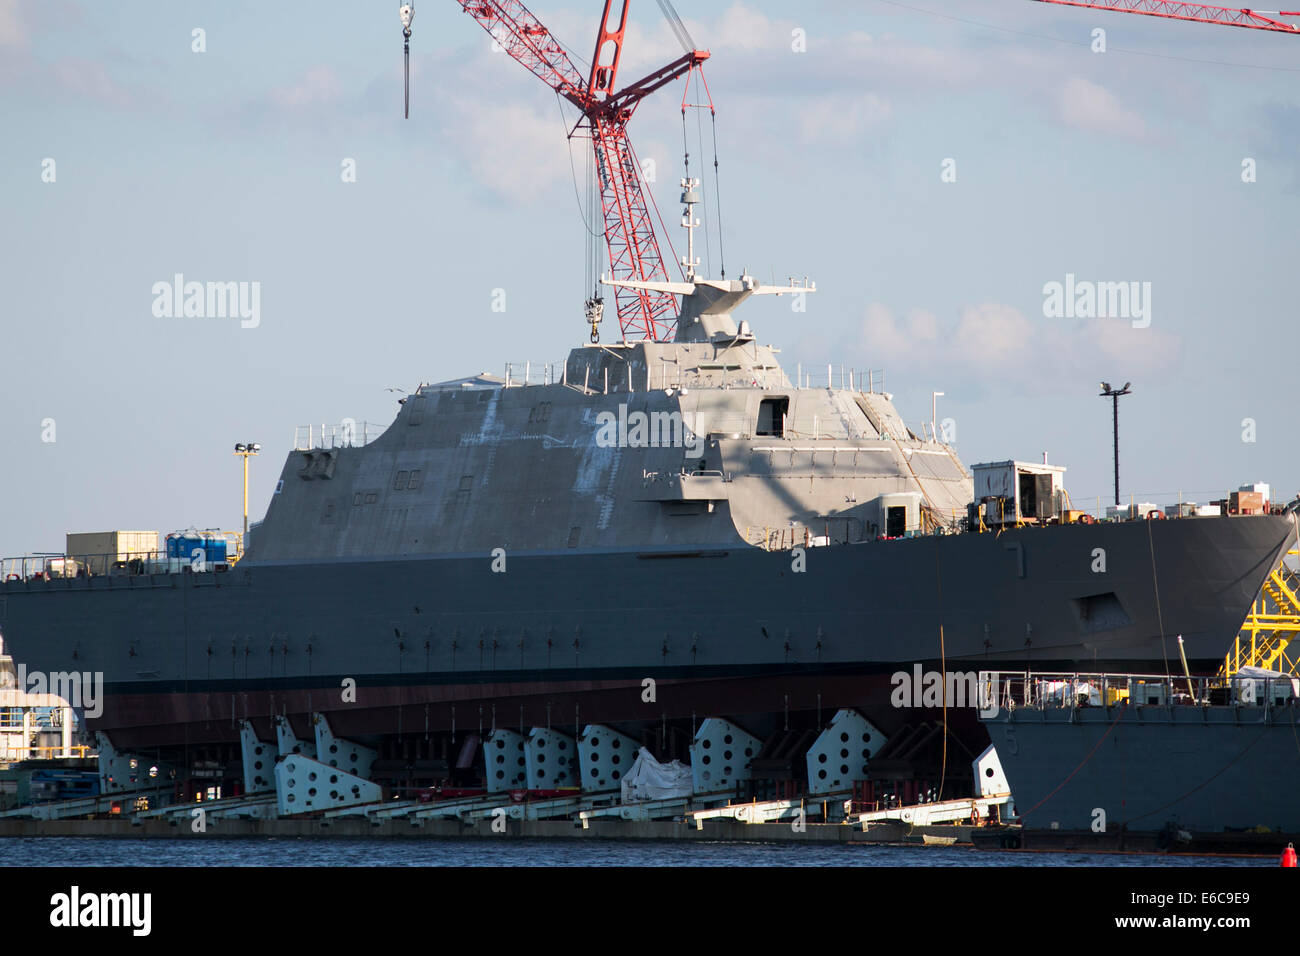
(771, 417)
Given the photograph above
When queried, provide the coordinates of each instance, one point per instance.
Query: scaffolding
(1274, 619)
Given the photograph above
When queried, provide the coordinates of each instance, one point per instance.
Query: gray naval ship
(682, 511)
(1108, 755)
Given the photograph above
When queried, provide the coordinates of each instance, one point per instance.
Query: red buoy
(1288, 855)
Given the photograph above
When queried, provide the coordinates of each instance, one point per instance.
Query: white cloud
(1087, 106)
(513, 150)
(1029, 353)
(90, 79)
(318, 86)
(841, 118)
(12, 31)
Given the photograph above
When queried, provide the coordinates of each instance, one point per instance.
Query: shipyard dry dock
(518, 572)
(666, 556)
(501, 557)
(651, 801)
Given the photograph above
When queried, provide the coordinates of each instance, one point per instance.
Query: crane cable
(587, 213)
(677, 26)
(708, 246)
(717, 189)
(717, 181)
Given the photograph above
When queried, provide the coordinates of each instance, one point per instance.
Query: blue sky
(225, 166)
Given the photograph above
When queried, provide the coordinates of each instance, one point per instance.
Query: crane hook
(407, 13)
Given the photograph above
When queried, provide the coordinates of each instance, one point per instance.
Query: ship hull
(1145, 769)
(722, 630)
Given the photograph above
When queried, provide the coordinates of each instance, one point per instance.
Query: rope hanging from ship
(1122, 710)
(943, 669)
(1160, 620)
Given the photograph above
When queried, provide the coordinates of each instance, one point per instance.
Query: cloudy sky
(932, 165)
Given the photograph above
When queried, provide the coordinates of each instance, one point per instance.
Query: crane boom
(524, 37)
(629, 233)
(1194, 12)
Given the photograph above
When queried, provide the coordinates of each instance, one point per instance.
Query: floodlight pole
(246, 450)
(1114, 395)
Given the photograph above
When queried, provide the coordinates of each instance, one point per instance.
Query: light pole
(934, 405)
(244, 450)
(1114, 394)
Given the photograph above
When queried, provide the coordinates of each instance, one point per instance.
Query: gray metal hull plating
(1022, 598)
(1199, 768)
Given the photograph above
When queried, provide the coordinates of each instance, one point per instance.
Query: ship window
(466, 482)
(372, 497)
(771, 417)
(574, 534)
(400, 484)
(414, 481)
(356, 499)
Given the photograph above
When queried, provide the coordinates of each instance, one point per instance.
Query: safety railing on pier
(56, 752)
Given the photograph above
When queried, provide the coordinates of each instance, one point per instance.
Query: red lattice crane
(1193, 12)
(629, 234)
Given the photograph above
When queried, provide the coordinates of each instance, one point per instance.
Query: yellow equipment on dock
(1274, 619)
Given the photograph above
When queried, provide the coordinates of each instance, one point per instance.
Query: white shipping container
(99, 549)
(1130, 511)
(1209, 511)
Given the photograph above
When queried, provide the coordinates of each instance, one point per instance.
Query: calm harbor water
(74, 851)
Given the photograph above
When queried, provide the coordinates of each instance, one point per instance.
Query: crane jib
(630, 238)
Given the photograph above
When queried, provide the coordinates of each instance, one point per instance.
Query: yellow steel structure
(1274, 619)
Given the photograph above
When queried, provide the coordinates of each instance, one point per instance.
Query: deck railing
(346, 434)
(53, 566)
(1055, 690)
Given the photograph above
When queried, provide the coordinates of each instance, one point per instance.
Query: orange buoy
(1288, 855)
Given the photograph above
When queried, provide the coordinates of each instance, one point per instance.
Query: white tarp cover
(1254, 682)
(1068, 692)
(651, 780)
